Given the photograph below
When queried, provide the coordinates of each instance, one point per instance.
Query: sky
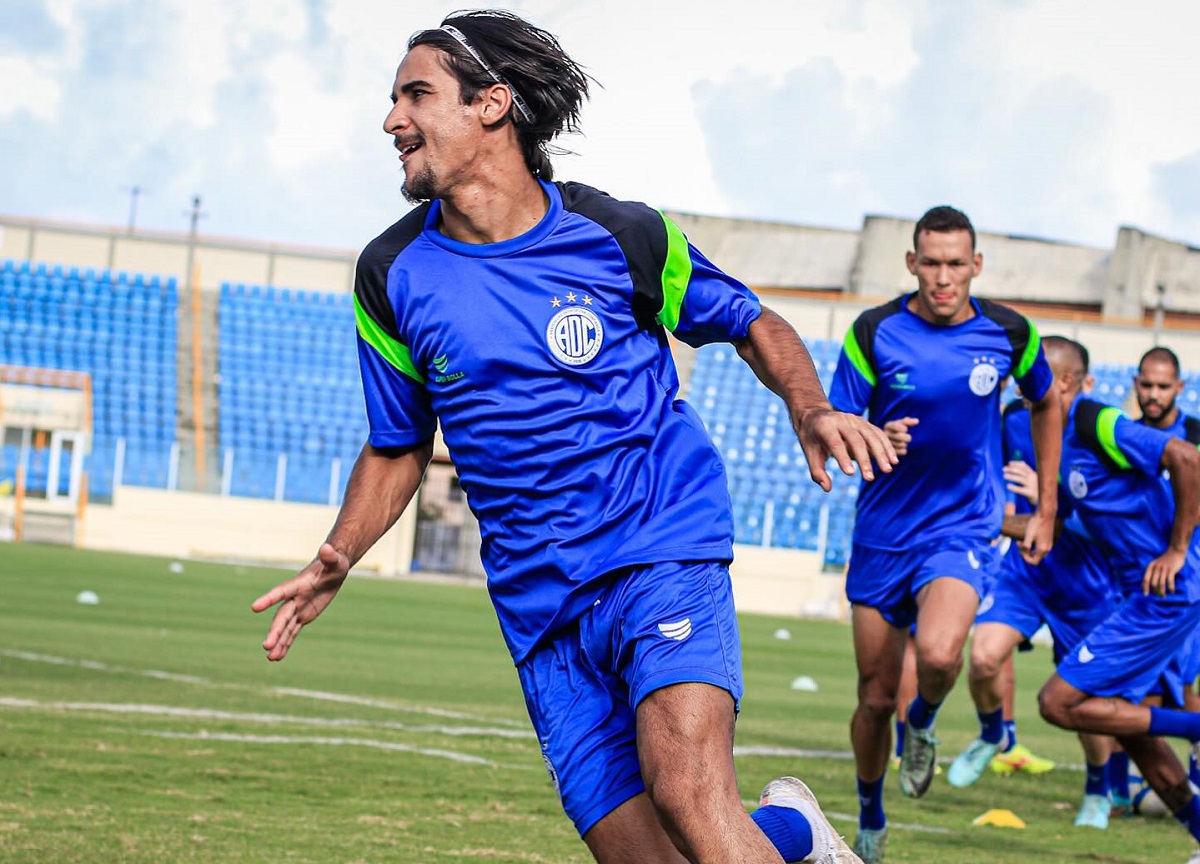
(1061, 119)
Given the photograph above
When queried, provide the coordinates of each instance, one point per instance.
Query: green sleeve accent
(389, 349)
(676, 275)
(858, 360)
(1031, 351)
(1106, 428)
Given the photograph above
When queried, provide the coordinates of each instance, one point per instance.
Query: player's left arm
(1182, 460)
(775, 352)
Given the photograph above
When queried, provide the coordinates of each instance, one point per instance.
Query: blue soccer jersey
(1185, 427)
(1074, 579)
(895, 364)
(546, 361)
(1112, 476)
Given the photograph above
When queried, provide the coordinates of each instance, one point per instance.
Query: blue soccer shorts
(1022, 597)
(652, 626)
(889, 580)
(1136, 650)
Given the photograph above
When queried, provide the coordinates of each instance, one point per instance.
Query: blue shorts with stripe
(889, 581)
(652, 626)
(1136, 650)
(1024, 597)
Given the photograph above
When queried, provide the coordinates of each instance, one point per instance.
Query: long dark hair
(530, 61)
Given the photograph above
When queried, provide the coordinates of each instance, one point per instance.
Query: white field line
(334, 742)
(279, 691)
(254, 717)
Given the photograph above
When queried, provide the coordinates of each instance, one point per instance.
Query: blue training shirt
(545, 359)
(895, 364)
(1112, 471)
(1075, 574)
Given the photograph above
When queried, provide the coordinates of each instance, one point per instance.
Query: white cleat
(828, 845)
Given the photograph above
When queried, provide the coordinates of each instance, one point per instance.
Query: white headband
(516, 97)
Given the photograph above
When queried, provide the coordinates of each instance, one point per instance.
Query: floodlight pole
(134, 192)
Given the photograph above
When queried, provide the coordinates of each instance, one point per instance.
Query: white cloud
(1054, 117)
(27, 88)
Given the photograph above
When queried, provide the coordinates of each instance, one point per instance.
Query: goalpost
(45, 433)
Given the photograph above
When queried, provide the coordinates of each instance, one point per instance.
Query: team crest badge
(984, 378)
(1077, 483)
(574, 335)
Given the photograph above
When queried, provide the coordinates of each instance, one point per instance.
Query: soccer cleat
(1094, 812)
(869, 843)
(828, 845)
(1121, 806)
(1195, 859)
(918, 761)
(969, 765)
(896, 766)
(1022, 759)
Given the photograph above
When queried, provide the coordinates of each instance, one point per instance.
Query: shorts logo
(988, 602)
(1085, 656)
(677, 630)
(984, 377)
(1077, 483)
(575, 335)
(972, 560)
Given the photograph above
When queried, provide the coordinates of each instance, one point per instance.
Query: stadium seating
(775, 502)
(120, 327)
(290, 408)
(288, 385)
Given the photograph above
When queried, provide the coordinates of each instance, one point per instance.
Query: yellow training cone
(999, 818)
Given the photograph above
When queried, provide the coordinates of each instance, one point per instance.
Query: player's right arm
(392, 462)
(1182, 460)
(381, 485)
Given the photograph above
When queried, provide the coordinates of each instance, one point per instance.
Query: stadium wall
(193, 525)
(189, 525)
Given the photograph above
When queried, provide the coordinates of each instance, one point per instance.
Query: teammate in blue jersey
(1157, 386)
(1144, 525)
(931, 363)
(1070, 591)
(530, 319)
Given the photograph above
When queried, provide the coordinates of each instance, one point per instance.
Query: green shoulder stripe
(1106, 425)
(676, 275)
(857, 358)
(389, 349)
(1031, 351)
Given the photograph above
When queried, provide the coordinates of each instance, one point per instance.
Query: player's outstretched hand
(1039, 538)
(1161, 573)
(897, 432)
(301, 599)
(849, 439)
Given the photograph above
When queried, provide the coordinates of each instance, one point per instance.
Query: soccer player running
(1157, 386)
(932, 361)
(530, 319)
(1070, 591)
(1144, 524)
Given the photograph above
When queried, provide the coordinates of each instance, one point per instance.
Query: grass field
(149, 728)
